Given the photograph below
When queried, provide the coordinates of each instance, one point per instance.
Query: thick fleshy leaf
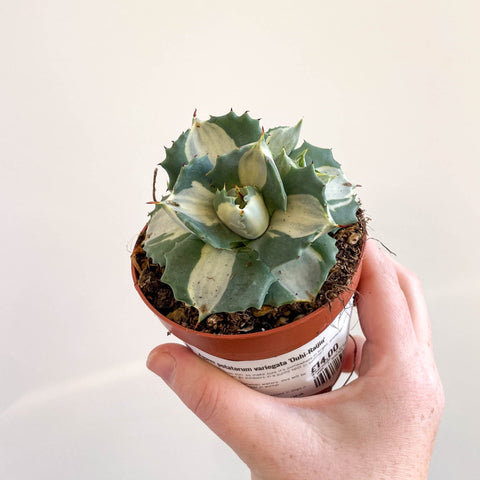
(300, 160)
(195, 171)
(220, 135)
(304, 181)
(212, 137)
(243, 211)
(192, 201)
(283, 138)
(339, 194)
(319, 157)
(251, 165)
(175, 159)
(302, 278)
(207, 138)
(215, 280)
(242, 129)
(305, 219)
(164, 231)
(284, 163)
(225, 172)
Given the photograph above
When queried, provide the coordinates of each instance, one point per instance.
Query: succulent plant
(246, 217)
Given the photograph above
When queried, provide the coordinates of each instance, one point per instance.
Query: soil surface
(349, 241)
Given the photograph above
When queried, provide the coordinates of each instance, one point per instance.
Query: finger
(382, 307)
(412, 290)
(352, 355)
(233, 411)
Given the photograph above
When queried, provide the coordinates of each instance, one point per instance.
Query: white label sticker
(307, 370)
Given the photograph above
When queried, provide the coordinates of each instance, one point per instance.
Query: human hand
(380, 426)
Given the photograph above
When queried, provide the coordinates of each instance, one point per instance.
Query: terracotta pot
(260, 345)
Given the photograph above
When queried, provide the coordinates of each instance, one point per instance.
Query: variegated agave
(246, 219)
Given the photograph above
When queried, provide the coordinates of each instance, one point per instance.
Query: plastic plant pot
(298, 359)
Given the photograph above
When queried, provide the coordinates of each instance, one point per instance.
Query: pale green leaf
(283, 138)
(212, 137)
(284, 163)
(215, 280)
(195, 171)
(305, 219)
(164, 231)
(251, 165)
(257, 169)
(340, 196)
(304, 181)
(192, 202)
(242, 129)
(225, 172)
(243, 211)
(175, 159)
(319, 157)
(301, 279)
(206, 138)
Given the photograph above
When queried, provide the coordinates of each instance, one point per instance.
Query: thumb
(231, 410)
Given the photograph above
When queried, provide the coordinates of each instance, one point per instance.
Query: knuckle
(421, 379)
(440, 397)
(430, 390)
(414, 279)
(435, 402)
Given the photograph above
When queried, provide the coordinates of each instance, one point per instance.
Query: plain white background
(90, 93)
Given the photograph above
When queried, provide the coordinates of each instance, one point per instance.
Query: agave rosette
(246, 219)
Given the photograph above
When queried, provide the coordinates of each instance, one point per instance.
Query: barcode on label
(322, 375)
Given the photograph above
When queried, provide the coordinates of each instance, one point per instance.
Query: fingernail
(163, 364)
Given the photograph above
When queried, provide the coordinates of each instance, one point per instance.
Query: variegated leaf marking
(206, 138)
(194, 207)
(300, 279)
(214, 280)
(283, 138)
(340, 196)
(164, 231)
(249, 217)
(252, 168)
